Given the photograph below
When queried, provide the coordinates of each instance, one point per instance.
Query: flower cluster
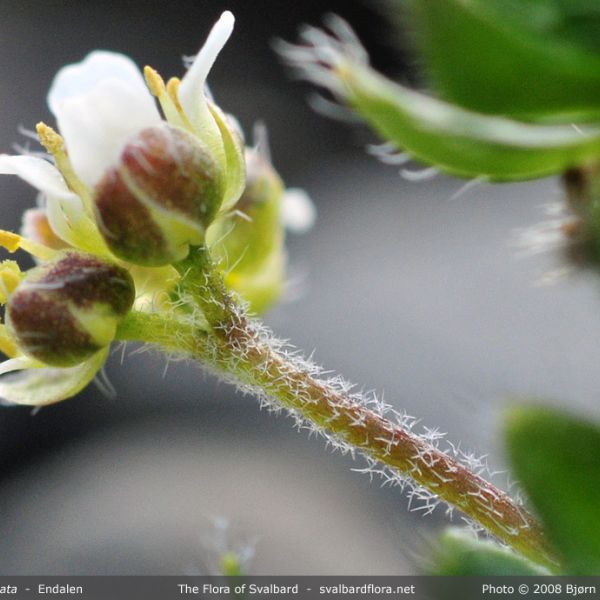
(125, 192)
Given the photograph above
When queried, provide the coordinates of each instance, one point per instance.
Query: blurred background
(412, 289)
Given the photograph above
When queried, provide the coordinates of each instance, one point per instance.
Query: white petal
(96, 124)
(65, 210)
(298, 211)
(46, 385)
(191, 90)
(36, 172)
(80, 78)
(18, 364)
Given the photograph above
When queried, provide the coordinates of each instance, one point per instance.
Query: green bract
(556, 457)
(461, 142)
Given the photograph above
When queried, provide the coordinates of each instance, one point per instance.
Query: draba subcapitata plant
(157, 224)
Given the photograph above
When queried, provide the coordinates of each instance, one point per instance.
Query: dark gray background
(404, 289)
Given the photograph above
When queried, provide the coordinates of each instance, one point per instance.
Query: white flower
(99, 104)
(103, 107)
(103, 100)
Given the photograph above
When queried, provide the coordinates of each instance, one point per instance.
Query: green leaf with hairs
(459, 553)
(533, 59)
(461, 142)
(557, 459)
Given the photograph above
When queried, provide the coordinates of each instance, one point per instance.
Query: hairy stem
(241, 351)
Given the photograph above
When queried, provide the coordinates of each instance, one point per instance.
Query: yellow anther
(13, 241)
(154, 81)
(172, 91)
(172, 88)
(168, 101)
(51, 140)
(55, 144)
(7, 345)
(9, 240)
(10, 277)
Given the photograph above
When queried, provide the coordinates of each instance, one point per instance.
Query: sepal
(31, 383)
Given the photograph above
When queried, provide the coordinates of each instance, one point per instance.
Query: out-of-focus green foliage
(459, 553)
(534, 59)
(461, 142)
(230, 565)
(557, 459)
(513, 76)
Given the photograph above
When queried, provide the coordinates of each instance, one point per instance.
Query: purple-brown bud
(66, 310)
(160, 197)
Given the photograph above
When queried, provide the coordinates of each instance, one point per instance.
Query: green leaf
(557, 459)
(576, 22)
(526, 58)
(459, 553)
(461, 142)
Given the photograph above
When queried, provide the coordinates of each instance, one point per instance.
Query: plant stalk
(240, 350)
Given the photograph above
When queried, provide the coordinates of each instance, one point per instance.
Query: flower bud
(159, 198)
(65, 310)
